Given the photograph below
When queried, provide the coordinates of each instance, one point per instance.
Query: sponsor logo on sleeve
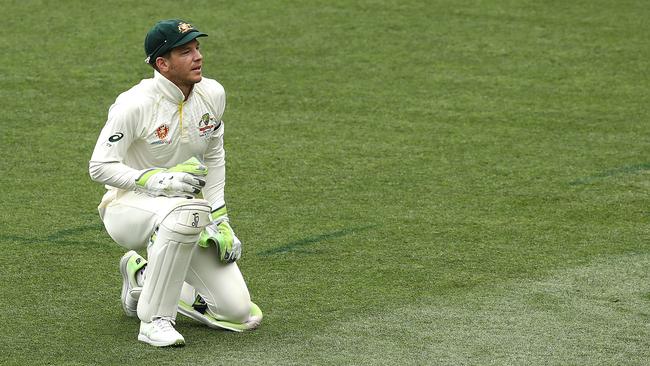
(207, 125)
(114, 138)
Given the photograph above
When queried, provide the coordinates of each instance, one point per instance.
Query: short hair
(165, 55)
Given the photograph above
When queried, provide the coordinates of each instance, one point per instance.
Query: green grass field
(415, 182)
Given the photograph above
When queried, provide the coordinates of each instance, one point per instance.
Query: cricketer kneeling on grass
(162, 160)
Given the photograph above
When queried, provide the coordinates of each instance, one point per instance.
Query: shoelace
(164, 324)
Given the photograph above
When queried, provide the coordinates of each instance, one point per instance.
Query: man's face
(183, 67)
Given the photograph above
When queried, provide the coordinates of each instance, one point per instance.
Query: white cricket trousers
(130, 218)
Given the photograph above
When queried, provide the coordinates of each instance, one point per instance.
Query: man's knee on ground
(235, 309)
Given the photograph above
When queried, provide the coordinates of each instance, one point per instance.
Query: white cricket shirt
(152, 126)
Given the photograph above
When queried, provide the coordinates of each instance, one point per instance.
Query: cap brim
(188, 38)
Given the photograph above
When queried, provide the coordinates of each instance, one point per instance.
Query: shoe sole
(175, 343)
(125, 283)
(188, 311)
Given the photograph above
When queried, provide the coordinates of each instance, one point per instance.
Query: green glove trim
(142, 180)
(219, 212)
(205, 240)
(192, 166)
(220, 235)
(226, 236)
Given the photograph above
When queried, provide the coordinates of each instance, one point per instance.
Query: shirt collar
(168, 89)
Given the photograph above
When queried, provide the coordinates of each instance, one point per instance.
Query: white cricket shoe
(130, 264)
(160, 333)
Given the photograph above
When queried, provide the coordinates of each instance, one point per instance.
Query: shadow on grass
(627, 169)
(64, 236)
(67, 236)
(298, 245)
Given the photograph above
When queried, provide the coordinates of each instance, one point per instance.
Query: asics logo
(117, 137)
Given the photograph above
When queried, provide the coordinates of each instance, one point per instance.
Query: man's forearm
(114, 174)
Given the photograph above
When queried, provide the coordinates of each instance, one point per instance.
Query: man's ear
(162, 64)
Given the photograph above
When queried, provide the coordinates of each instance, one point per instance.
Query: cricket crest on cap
(184, 27)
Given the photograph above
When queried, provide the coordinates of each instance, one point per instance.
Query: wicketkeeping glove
(219, 233)
(183, 180)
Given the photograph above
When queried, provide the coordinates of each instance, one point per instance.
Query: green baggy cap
(167, 34)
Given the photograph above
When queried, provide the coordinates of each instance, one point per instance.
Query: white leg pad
(169, 257)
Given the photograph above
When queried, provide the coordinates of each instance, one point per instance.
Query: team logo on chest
(161, 133)
(207, 125)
